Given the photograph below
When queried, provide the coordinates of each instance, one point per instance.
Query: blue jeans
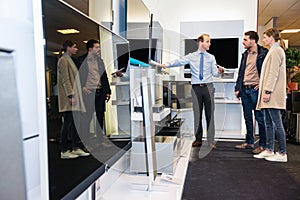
(249, 101)
(274, 125)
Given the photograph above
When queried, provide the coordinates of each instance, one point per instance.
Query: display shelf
(229, 134)
(138, 116)
(120, 83)
(222, 80)
(120, 102)
(164, 148)
(225, 100)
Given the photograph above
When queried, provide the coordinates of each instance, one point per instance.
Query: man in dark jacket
(95, 86)
(246, 88)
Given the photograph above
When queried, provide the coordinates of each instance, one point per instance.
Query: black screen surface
(68, 178)
(122, 56)
(225, 50)
(139, 49)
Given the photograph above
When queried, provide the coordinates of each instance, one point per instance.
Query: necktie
(201, 66)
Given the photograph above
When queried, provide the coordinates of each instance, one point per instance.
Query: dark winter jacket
(83, 71)
(261, 54)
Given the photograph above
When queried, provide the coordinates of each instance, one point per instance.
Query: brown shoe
(196, 144)
(244, 146)
(258, 150)
(212, 145)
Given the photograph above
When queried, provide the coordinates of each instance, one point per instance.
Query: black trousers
(94, 102)
(203, 98)
(68, 126)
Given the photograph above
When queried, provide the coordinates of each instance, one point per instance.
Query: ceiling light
(56, 52)
(68, 31)
(290, 31)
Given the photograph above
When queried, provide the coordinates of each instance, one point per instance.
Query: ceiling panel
(262, 4)
(288, 17)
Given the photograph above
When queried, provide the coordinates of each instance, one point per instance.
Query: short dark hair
(201, 37)
(66, 44)
(252, 35)
(90, 43)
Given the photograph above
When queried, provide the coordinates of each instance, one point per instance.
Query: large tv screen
(139, 49)
(68, 178)
(122, 56)
(225, 50)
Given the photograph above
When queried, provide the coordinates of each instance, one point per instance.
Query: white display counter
(131, 185)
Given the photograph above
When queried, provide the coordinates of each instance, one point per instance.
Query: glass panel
(66, 174)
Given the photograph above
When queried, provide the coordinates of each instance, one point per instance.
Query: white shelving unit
(165, 146)
(228, 110)
(122, 103)
(229, 123)
(137, 116)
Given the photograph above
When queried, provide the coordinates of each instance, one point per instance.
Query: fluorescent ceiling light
(55, 52)
(290, 31)
(68, 31)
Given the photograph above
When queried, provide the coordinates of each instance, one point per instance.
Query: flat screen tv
(69, 178)
(139, 49)
(122, 56)
(225, 50)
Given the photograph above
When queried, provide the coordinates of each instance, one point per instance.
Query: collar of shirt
(276, 44)
(199, 52)
(252, 52)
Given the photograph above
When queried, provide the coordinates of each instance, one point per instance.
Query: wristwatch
(268, 92)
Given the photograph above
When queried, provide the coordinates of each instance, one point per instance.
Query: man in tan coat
(69, 100)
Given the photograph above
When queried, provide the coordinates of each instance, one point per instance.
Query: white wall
(21, 30)
(137, 11)
(100, 10)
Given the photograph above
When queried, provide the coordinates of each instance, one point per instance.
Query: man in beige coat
(272, 96)
(69, 100)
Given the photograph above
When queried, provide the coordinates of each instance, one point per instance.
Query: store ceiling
(59, 16)
(286, 12)
(288, 17)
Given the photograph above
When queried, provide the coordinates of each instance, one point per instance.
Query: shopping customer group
(261, 85)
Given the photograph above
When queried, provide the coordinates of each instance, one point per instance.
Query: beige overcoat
(68, 83)
(273, 78)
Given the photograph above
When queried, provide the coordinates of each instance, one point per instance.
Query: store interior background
(27, 17)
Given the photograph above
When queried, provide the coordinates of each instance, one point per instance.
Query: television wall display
(225, 50)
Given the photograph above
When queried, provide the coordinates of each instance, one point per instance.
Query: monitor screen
(68, 178)
(122, 56)
(139, 49)
(225, 50)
